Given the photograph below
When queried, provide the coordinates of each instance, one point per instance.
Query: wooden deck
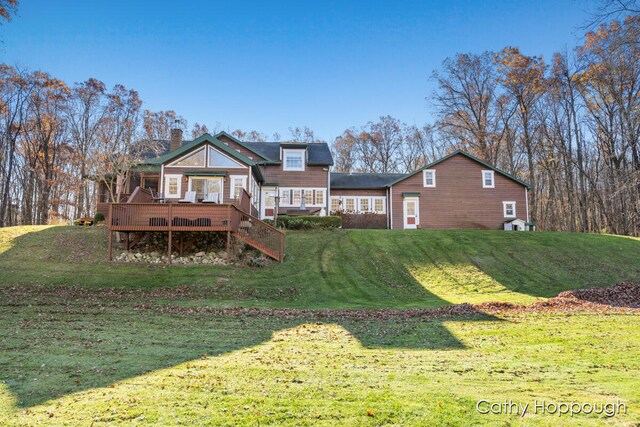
(202, 217)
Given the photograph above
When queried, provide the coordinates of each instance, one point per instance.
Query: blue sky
(269, 65)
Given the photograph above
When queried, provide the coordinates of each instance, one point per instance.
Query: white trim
(390, 208)
(284, 159)
(221, 178)
(161, 185)
(328, 207)
(493, 179)
(211, 147)
(504, 209)
(281, 190)
(416, 200)
(232, 178)
(424, 178)
(167, 177)
(189, 154)
(526, 198)
(357, 204)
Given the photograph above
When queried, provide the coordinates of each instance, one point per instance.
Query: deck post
(110, 244)
(228, 246)
(281, 248)
(169, 249)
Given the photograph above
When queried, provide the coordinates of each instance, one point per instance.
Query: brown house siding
(459, 201)
(312, 176)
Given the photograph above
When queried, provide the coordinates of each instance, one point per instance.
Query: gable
(206, 156)
(468, 156)
(205, 139)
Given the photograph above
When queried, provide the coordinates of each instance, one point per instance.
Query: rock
(201, 254)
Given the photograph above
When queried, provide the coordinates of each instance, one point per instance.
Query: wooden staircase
(255, 232)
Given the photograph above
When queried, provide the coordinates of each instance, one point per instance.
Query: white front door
(411, 212)
(268, 203)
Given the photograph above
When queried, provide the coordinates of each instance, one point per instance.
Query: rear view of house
(457, 191)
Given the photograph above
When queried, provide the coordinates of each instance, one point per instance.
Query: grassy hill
(85, 342)
(342, 268)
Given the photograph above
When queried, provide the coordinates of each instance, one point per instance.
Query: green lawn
(342, 268)
(85, 342)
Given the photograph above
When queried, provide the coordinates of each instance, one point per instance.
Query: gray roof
(364, 181)
(318, 153)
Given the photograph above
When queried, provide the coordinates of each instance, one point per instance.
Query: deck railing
(169, 217)
(259, 234)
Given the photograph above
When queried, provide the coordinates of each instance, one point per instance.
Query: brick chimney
(176, 137)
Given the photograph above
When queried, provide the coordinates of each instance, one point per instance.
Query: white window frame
(384, 205)
(237, 165)
(220, 178)
(339, 199)
(504, 209)
(167, 177)
(368, 199)
(355, 204)
(285, 152)
(493, 179)
(424, 178)
(306, 190)
(358, 201)
(232, 180)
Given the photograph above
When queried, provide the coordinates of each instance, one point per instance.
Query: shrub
(309, 222)
(99, 216)
(363, 220)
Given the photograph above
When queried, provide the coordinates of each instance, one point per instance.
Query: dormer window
(293, 160)
(488, 179)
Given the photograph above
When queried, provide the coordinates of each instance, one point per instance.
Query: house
(261, 180)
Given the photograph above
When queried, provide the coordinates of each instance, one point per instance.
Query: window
(378, 205)
(192, 160)
(429, 177)
(487, 179)
(238, 183)
(509, 209)
(293, 160)
(335, 204)
(308, 197)
(349, 204)
(217, 159)
(313, 197)
(204, 185)
(285, 199)
(364, 204)
(172, 184)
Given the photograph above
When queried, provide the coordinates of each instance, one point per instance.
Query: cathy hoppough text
(543, 407)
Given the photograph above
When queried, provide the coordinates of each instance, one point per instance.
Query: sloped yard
(355, 328)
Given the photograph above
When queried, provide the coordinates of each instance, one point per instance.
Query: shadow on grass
(51, 351)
